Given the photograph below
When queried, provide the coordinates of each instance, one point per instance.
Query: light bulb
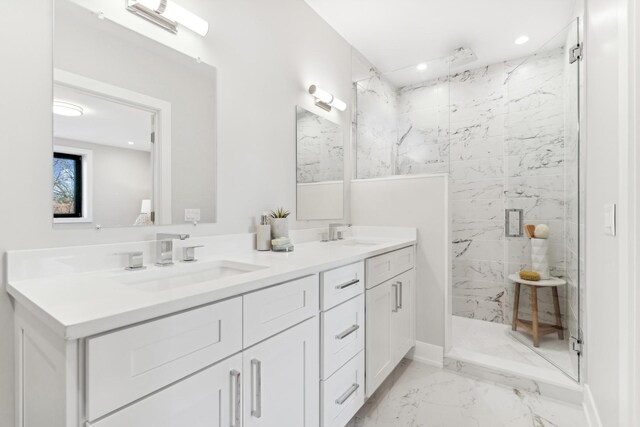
(179, 14)
(67, 109)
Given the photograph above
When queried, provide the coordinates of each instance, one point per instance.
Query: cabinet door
(209, 398)
(379, 354)
(403, 318)
(281, 383)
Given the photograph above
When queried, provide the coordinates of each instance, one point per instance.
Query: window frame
(86, 174)
(79, 184)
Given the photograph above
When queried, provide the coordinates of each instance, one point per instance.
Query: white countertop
(79, 305)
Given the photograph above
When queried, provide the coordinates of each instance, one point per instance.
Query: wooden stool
(535, 328)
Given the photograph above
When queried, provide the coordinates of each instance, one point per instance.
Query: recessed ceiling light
(67, 109)
(522, 40)
(131, 142)
(421, 67)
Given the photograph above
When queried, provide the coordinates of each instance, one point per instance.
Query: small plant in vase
(279, 223)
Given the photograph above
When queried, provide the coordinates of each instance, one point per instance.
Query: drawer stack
(342, 343)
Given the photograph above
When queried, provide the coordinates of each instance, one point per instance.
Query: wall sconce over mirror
(325, 100)
(167, 14)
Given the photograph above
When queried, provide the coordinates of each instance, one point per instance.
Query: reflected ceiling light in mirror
(522, 39)
(325, 100)
(421, 67)
(67, 109)
(130, 142)
(167, 14)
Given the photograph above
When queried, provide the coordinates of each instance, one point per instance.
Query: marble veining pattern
(506, 135)
(418, 395)
(320, 149)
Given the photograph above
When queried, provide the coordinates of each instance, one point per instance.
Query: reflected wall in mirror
(134, 127)
(319, 168)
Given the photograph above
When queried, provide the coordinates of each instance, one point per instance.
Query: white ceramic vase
(279, 227)
(540, 257)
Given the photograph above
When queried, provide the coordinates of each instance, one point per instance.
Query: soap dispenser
(263, 234)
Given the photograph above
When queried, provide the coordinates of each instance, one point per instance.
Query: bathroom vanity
(249, 338)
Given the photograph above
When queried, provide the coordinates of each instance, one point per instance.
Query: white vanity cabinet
(390, 315)
(210, 398)
(280, 385)
(302, 353)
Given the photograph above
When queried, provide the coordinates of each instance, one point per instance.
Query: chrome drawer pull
(256, 398)
(346, 285)
(347, 394)
(346, 333)
(395, 293)
(235, 399)
(400, 305)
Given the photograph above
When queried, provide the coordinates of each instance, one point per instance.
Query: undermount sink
(357, 242)
(181, 275)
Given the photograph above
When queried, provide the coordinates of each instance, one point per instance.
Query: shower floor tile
(496, 340)
(419, 395)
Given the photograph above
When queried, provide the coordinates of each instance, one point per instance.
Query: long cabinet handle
(347, 394)
(400, 303)
(347, 332)
(256, 398)
(235, 399)
(395, 293)
(347, 284)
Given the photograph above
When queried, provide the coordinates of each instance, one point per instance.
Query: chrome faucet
(333, 228)
(164, 248)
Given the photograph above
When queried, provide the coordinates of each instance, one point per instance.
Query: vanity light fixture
(421, 67)
(67, 109)
(167, 14)
(522, 39)
(130, 142)
(325, 100)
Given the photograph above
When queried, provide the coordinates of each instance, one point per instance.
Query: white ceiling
(103, 122)
(395, 34)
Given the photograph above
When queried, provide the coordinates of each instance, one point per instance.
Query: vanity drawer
(383, 267)
(272, 310)
(341, 284)
(343, 393)
(342, 334)
(128, 364)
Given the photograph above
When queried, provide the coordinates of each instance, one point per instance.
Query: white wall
(266, 55)
(605, 87)
(414, 201)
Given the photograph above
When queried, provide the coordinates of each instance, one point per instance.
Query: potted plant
(279, 223)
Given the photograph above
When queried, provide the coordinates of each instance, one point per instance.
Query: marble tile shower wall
(499, 131)
(377, 127)
(535, 162)
(320, 149)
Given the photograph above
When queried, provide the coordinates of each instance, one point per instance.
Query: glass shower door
(542, 188)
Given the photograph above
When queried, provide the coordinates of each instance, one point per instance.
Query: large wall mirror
(134, 127)
(320, 167)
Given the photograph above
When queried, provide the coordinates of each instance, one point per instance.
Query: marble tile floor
(419, 395)
(496, 340)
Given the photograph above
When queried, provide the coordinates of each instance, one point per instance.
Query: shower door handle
(509, 220)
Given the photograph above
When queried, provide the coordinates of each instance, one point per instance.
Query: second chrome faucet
(164, 248)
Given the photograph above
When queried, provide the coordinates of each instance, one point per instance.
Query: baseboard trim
(590, 409)
(428, 354)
